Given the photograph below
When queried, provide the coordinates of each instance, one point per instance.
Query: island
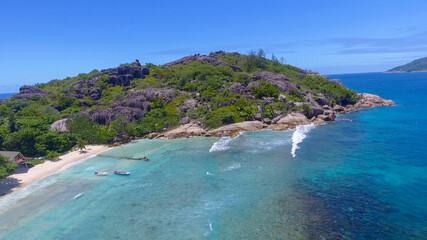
(220, 94)
(419, 65)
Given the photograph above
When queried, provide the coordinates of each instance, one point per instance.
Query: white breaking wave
(77, 196)
(12, 198)
(299, 135)
(222, 144)
(232, 167)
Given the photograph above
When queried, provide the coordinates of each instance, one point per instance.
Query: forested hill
(133, 100)
(419, 65)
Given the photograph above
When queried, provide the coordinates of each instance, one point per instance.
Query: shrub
(265, 90)
(296, 96)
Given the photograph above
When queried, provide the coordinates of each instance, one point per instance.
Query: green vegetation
(203, 94)
(34, 162)
(339, 94)
(6, 167)
(265, 90)
(419, 65)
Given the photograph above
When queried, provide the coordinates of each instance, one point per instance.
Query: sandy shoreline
(26, 176)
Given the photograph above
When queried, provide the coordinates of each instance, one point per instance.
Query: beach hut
(15, 157)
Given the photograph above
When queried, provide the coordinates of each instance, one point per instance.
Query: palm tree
(80, 144)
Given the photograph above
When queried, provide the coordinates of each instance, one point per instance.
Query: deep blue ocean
(363, 176)
(5, 95)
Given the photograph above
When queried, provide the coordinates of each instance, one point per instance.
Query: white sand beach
(24, 178)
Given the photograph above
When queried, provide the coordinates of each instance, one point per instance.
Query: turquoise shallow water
(361, 177)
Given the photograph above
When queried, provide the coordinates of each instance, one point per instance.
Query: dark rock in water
(280, 80)
(146, 71)
(27, 92)
(152, 93)
(238, 88)
(184, 120)
(95, 94)
(202, 58)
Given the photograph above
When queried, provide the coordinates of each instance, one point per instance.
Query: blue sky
(45, 40)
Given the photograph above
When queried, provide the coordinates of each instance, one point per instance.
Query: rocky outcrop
(151, 93)
(95, 94)
(290, 121)
(124, 74)
(322, 99)
(238, 88)
(280, 80)
(27, 92)
(336, 82)
(370, 100)
(187, 105)
(187, 130)
(234, 129)
(105, 116)
(202, 58)
(60, 125)
(139, 102)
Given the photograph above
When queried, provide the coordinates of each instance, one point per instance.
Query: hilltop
(419, 65)
(209, 95)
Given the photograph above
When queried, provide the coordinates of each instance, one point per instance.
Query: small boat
(121, 173)
(101, 173)
(143, 158)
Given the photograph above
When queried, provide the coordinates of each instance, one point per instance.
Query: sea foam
(233, 166)
(222, 144)
(299, 135)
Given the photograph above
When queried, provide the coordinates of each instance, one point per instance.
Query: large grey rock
(27, 92)
(187, 105)
(336, 82)
(95, 94)
(236, 128)
(254, 84)
(238, 88)
(184, 120)
(60, 125)
(139, 102)
(151, 93)
(290, 105)
(322, 99)
(279, 80)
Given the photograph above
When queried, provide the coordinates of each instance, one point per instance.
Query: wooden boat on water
(101, 173)
(143, 158)
(121, 173)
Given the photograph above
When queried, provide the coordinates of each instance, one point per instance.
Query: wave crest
(232, 167)
(222, 144)
(299, 135)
